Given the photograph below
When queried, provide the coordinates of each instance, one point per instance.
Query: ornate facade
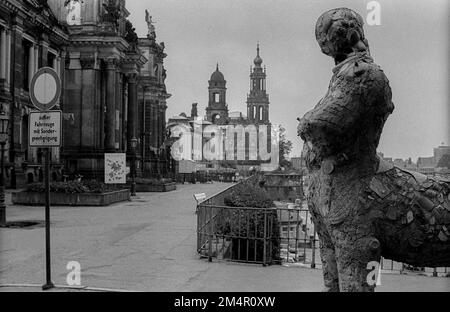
(31, 37)
(217, 110)
(94, 48)
(217, 113)
(153, 98)
(258, 99)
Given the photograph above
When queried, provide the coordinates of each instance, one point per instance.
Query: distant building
(424, 165)
(426, 162)
(217, 113)
(439, 152)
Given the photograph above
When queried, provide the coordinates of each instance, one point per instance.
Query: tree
(285, 148)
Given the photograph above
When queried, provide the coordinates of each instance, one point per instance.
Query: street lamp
(4, 123)
(134, 143)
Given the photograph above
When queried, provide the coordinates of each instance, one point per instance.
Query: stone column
(42, 52)
(110, 118)
(58, 65)
(132, 123)
(8, 56)
(36, 59)
(31, 65)
(3, 54)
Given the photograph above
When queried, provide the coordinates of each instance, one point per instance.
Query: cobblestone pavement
(148, 244)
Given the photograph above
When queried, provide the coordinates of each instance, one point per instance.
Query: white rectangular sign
(116, 168)
(45, 129)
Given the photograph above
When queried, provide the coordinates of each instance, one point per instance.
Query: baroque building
(258, 99)
(153, 98)
(217, 110)
(31, 38)
(108, 76)
(247, 152)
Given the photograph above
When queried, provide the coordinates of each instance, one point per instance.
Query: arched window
(261, 111)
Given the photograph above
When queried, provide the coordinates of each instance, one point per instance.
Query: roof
(217, 76)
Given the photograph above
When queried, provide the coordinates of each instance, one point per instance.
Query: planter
(61, 199)
(153, 188)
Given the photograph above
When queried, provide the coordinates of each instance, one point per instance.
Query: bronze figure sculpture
(363, 207)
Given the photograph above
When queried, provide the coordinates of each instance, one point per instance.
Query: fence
(253, 235)
(281, 235)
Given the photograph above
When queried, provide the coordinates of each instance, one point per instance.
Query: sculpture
(363, 207)
(151, 27)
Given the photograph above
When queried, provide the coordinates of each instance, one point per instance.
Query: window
(216, 98)
(26, 46)
(51, 58)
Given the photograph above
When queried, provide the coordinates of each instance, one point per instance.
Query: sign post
(45, 132)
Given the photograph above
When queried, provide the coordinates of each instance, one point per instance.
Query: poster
(116, 168)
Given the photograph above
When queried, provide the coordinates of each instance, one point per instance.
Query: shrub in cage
(252, 228)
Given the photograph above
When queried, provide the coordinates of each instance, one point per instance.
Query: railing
(253, 235)
(402, 268)
(237, 234)
(298, 239)
(280, 235)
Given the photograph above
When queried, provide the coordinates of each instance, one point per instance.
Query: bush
(73, 187)
(249, 195)
(249, 223)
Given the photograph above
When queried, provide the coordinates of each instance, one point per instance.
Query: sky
(411, 44)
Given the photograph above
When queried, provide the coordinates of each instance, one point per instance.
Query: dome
(217, 76)
(258, 60)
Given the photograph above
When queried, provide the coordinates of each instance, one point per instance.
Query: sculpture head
(340, 32)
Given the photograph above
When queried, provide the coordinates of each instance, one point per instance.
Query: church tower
(258, 99)
(217, 110)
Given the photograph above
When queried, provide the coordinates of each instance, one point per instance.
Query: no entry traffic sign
(45, 132)
(45, 89)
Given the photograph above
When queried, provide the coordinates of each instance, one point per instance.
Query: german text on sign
(45, 129)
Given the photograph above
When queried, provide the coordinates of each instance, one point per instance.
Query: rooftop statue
(151, 27)
(363, 207)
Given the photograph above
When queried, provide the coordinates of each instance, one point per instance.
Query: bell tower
(258, 99)
(217, 110)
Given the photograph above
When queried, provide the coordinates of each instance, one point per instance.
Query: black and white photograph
(224, 153)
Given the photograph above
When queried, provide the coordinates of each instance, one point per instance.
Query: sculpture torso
(346, 125)
(348, 183)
